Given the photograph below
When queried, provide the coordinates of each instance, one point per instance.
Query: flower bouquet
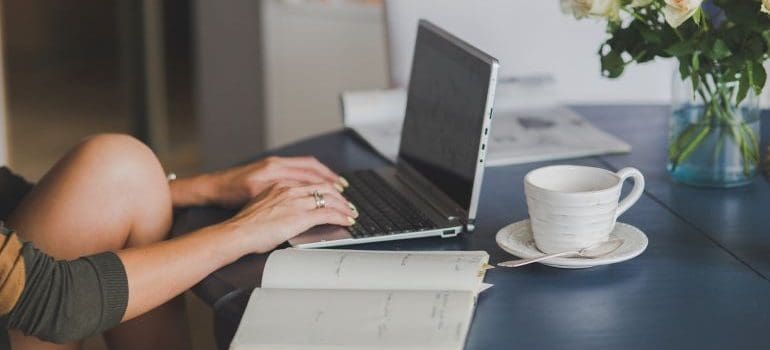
(720, 46)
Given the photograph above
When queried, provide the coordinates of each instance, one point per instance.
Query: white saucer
(517, 239)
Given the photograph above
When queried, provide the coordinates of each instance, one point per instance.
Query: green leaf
(694, 75)
(612, 64)
(697, 17)
(719, 50)
(754, 48)
(695, 84)
(757, 77)
(695, 62)
(684, 70)
(766, 36)
(682, 48)
(649, 35)
(731, 74)
(743, 87)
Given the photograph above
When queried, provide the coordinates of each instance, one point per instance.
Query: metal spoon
(594, 251)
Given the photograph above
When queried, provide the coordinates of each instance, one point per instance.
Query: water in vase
(717, 153)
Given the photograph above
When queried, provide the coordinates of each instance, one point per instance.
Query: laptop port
(448, 233)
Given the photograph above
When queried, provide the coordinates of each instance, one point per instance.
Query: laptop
(433, 188)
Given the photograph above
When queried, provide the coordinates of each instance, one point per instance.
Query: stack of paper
(527, 126)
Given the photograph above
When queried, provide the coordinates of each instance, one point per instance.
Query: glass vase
(713, 140)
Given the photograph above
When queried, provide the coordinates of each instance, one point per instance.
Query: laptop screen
(445, 109)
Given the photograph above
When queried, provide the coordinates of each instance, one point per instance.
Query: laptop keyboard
(382, 210)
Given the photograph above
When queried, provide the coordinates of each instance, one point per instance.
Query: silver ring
(320, 202)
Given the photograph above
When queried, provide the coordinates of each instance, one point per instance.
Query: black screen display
(444, 114)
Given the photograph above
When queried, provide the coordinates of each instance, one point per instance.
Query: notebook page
(357, 269)
(294, 319)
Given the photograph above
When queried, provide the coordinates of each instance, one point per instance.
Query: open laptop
(433, 189)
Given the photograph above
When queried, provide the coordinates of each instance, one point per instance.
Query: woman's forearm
(158, 272)
(231, 188)
(161, 271)
(192, 191)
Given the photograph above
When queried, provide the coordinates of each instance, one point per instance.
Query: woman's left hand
(233, 187)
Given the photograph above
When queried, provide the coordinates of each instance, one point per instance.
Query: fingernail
(339, 188)
(352, 207)
(343, 181)
(351, 220)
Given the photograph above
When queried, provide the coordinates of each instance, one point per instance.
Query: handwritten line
(404, 260)
(343, 256)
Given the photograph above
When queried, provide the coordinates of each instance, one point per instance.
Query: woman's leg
(107, 194)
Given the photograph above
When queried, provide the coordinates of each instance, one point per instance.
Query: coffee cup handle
(636, 192)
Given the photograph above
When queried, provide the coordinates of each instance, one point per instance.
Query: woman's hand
(276, 215)
(282, 212)
(233, 187)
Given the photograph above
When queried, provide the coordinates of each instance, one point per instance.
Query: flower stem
(694, 144)
(719, 115)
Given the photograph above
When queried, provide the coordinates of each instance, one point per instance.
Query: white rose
(765, 6)
(678, 11)
(606, 8)
(583, 8)
(577, 8)
(640, 3)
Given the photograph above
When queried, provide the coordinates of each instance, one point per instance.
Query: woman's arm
(162, 271)
(235, 186)
(59, 301)
(68, 300)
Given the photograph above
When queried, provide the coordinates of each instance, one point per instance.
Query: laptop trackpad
(321, 233)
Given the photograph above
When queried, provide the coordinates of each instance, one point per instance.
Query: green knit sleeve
(65, 301)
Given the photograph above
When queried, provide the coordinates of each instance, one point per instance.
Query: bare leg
(107, 194)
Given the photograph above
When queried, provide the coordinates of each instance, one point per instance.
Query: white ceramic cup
(573, 207)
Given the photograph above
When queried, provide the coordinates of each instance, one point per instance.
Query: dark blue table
(701, 284)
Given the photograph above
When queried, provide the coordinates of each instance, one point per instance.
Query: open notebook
(348, 299)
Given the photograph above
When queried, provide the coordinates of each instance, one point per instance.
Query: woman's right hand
(284, 211)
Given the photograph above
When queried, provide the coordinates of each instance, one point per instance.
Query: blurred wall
(65, 36)
(312, 52)
(228, 91)
(3, 107)
(270, 72)
(529, 38)
(63, 79)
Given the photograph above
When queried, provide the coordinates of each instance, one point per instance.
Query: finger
(324, 188)
(341, 205)
(315, 165)
(273, 190)
(328, 216)
(283, 184)
(304, 175)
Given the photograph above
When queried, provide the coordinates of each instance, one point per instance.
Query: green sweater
(54, 300)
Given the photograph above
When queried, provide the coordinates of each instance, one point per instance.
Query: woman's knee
(107, 193)
(121, 156)
(126, 167)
